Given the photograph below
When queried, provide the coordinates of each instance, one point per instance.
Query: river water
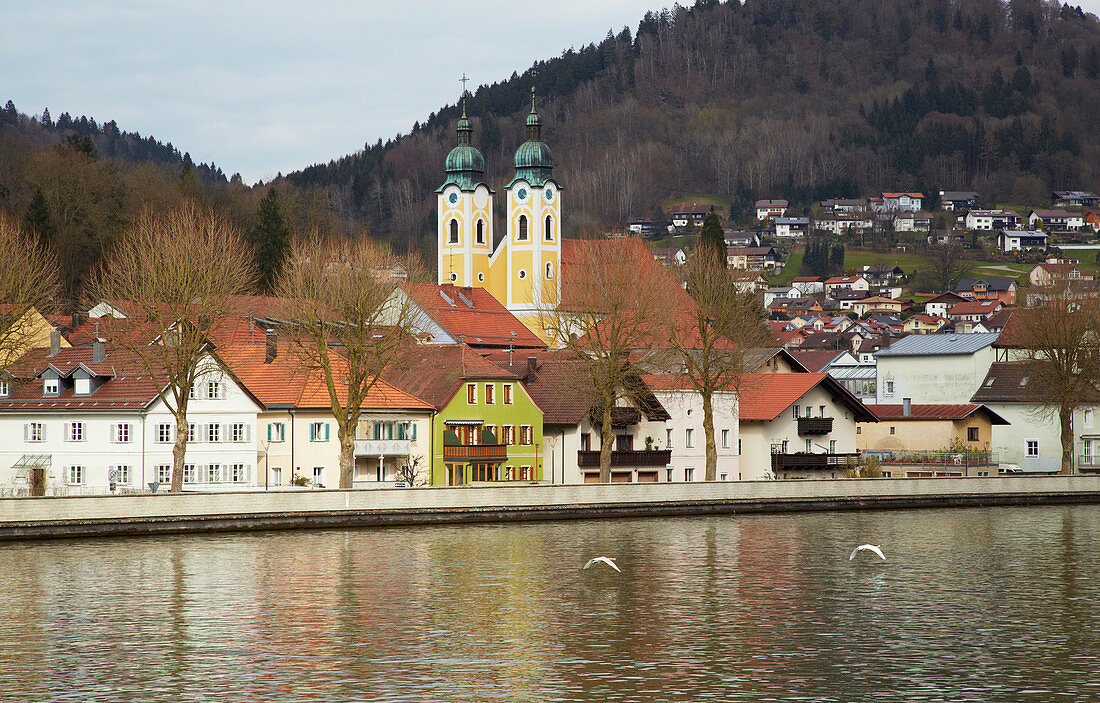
(997, 604)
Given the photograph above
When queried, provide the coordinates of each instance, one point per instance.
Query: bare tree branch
(28, 282)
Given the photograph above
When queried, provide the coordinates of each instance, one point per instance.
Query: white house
(1055, 219)
(837, 284)
(808, 285)
(933, 368)
(899, 201)
(990, 220)
(772, 209)
(1032, 442)
(791, 227)
(1021, 240)
(85, 420)
(798, 425)
(683, 430)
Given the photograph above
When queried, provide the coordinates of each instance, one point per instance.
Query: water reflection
(971, 605)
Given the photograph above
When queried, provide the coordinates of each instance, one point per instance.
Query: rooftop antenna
(511, 349)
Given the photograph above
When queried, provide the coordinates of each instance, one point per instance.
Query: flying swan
(605, 560)
(864, 547)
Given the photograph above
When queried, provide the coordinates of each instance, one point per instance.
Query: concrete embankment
(28, 518)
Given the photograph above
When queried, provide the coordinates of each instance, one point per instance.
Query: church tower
(465, 207)
(525, 274)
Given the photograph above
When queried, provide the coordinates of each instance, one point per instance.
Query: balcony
(475, 452)
(812, 462)
(381, 447)
(815, 425)
(626, 459)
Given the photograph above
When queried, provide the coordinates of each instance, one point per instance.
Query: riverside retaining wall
(26, 518)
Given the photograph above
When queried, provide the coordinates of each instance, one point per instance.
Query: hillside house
(770, 209)
(990, 220)
(890, 202)
(1021, 240)
(1073, 198)
(912, 222)
(1046, 274)
(1002, 289)
(957, 199)
(808, 285)
(752, 258)
(838, 284)
(1048, 220)
(791, 227)
(974, 310)
(933, 368)
(694, 213)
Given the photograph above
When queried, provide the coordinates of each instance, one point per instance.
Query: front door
(38, 482)
(455, 474)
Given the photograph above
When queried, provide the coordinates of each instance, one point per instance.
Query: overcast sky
(267, 87)
(264, 87)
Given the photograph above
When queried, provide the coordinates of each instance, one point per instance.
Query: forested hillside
(801, 99)
(78, 184)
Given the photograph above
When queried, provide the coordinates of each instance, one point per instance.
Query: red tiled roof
(974, 307)
(473, 315)
(929, 412)
(768, 395)
(434, 372)
(816, 359)
(288, 379)
(898, 195)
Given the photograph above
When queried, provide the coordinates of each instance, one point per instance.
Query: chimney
(532, 366)
(271, 347)
(99, 351)
(906, 406)
(55, 342)
(78, 320)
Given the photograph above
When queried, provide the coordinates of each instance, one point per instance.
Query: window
(76, 432)
(586, 442)
(738, 446)
(215, 390)
(276, 476)
(189, 473)
(5, 389)
(452, 238)
(164, 433)
(192, 432)
(471, 394)
(276, 432)
(971, 434)
(164, 473)
(1087, 418)
(522, 236)
(238, 473)
(549, 271)
(522, 274)
(214, 473)
(795, 412)
(668, 438)
(889, 388)
(75, 475)
(120, 474)
(723, 477)
(213, 432)
(239, 432)
(822, 411)
(832, 446)
(725, 439)
(51, 386)
(689, 474)
(194, 392)
(82, 386)
(549, 230)
(689, 439)
(526, 435)
(859, 430)
(892, 429)
(669, 472)
(508, 434)
(1033, 447)
(122, 433)
(319, 476)
(809, 446)
(489, 387)
(454, 276)
(318, 432)
(481, 231)
(507, 390)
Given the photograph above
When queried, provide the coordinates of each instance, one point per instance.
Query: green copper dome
(465, 166)
(534, 161)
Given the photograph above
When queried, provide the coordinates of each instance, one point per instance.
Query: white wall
(947, 378)
(686, 411)
(1029, 422)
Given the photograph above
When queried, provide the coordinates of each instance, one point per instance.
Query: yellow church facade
(523, 272)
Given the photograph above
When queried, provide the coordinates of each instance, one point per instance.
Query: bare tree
(348, 322)
(716, 339)
(945, 265)
(182, 273)
(613, 294)
(28, 283)
(1060, 330)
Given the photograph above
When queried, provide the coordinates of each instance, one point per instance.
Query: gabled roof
(898, 195)
(435, 372)
(693, 209)
(994, 284)
(771, 203)
(767, 396)
(817, 360)
(974, 307)
(950, 298)
(473, 315)
(939, 344)
(1018, 382)
(958, 195)
(935, 412)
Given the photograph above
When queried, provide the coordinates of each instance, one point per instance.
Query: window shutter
(269, 426)
(65, 474)
(326, 432)
(68, 431)
(248, 473)
(377, 431)
(413, 430)
(247, 432)
(114, 434)
(26, 431)
(312, 432)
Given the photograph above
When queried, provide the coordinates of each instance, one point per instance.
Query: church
(524, 271)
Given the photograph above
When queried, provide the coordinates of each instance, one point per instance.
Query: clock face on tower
(452, 198)
(522, 194)
(549, 192)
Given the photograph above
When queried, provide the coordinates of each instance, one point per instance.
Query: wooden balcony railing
(815, 425)
(632, 459)
(476, 452)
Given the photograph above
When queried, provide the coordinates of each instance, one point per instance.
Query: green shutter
(413, 430)
(269, 432)
(326, 432)
(312, 432)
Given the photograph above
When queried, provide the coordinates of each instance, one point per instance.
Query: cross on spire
(463, 82)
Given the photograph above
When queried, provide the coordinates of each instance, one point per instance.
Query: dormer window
(51, 386)
(82, 386)
(5, 389)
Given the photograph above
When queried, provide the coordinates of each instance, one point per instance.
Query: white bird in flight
(605, 560)
(868, 548)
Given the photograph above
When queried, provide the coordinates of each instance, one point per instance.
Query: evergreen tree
(37, 220)
(712, 237)
(270, 239)
(836, 260)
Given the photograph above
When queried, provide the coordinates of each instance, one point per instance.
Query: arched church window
(522, 228)
(453, 238)
(549, 270)
(549, 230)
(481, 231)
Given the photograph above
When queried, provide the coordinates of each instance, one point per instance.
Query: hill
(801, 99)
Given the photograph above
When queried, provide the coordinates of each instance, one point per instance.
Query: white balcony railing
(381, 447)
